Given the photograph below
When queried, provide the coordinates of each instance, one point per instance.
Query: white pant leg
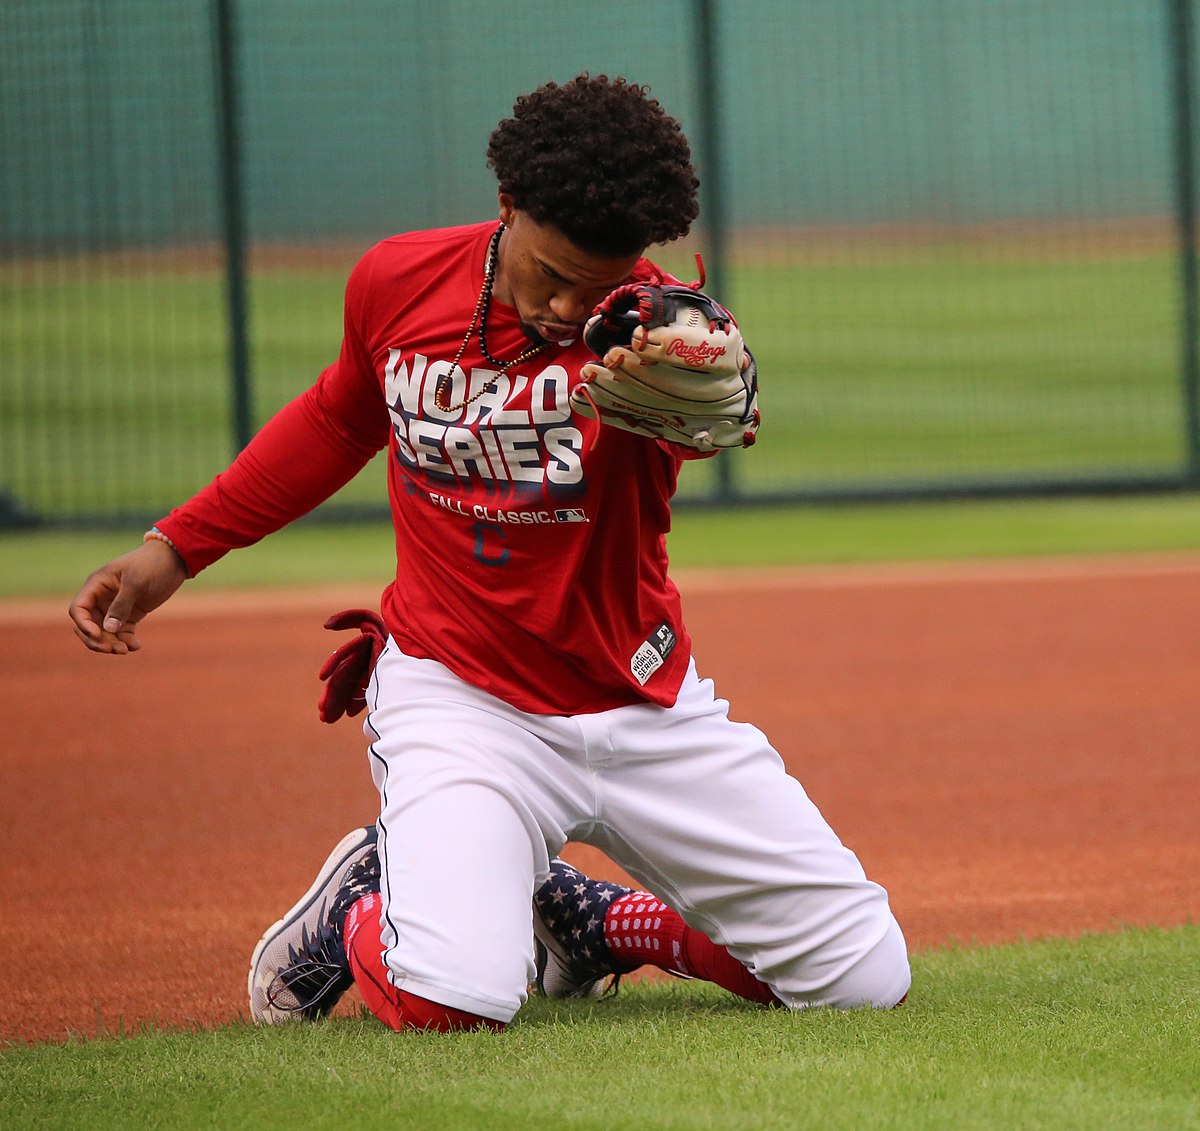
(702, 811)
(475, 795)
(470, 799)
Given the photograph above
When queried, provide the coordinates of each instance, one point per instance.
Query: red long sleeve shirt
(530, 542)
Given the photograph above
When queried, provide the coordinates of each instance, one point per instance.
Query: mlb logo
(653, 653)
(570, 515)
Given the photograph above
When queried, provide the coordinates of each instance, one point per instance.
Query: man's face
(553, 284)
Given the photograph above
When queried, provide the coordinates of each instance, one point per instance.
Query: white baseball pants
(476, 796)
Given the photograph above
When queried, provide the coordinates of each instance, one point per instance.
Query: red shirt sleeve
(310, 449)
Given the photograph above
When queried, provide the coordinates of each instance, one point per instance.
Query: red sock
(642, 930)
(398, 1009)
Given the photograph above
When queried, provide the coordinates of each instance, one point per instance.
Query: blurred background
(958, 234)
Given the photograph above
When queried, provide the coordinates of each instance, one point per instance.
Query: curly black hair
(600, 160)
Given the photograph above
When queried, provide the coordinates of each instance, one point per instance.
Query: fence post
(1181, 48)
(709, 135)
(233, 213)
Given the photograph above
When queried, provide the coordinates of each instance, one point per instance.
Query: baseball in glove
(672, 365)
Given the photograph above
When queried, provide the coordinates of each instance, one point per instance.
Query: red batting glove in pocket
(347, 671)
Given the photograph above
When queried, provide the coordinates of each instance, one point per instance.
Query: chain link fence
(959, 234)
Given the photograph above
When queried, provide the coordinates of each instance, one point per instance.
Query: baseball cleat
(573, 958)
(299, 970)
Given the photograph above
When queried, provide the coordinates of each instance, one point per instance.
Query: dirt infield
(1013, 750)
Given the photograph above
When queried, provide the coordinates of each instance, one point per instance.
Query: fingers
(120, 609)
(114, 644)
(106, 611)
(95, 623)
(623, 357)
(89, 607)
(108, 643)
(592, 370)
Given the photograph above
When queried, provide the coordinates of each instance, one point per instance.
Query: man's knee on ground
(879, 978)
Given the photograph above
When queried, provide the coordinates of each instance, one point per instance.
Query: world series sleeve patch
(653, 653)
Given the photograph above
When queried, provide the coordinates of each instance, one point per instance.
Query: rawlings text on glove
(674, 366)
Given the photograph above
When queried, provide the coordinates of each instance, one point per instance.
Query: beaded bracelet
(156, 535)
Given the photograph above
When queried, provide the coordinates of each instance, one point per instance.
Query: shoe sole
(335, 865)
(546, 951)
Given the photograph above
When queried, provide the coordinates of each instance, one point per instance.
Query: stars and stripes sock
(398, 1009)
(642, 930)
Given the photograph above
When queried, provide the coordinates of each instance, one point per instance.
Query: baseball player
(538, 385)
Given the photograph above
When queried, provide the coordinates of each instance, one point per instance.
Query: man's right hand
(114, 599)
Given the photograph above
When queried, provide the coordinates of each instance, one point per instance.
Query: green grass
(1092, 1034)
(54, 563)
(938, 361)
(932, 365)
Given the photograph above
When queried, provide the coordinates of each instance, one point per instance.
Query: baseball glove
(672, 365)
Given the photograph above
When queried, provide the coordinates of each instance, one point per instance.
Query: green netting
(953, 226)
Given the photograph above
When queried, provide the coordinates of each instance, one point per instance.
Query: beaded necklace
(441, 392)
